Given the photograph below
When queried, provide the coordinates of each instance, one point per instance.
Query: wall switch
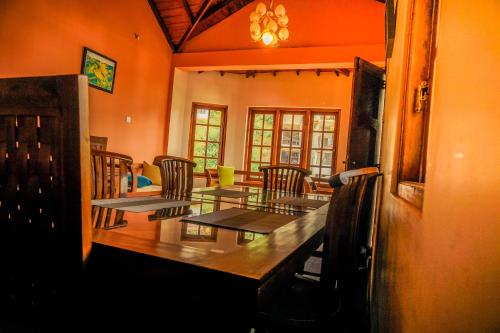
(128, 119)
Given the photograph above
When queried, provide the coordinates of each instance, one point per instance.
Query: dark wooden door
(365, 123)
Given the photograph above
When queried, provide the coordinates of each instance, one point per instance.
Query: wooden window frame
(195, 106)
(335, 138)
(411, 157)
(306, 138)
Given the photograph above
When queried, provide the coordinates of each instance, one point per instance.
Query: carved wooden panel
(44, 194)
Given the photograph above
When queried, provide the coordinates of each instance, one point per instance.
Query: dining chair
(176, 174)
(109, 174)
(46, 232)
(284, 178)
(317, 306)
(98, 142)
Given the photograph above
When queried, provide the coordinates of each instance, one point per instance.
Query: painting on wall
(99, 69)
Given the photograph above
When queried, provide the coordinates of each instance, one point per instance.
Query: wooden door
(365, 121)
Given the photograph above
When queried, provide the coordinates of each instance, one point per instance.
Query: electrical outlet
(128, 119)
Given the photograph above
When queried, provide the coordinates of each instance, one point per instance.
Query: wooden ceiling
(181, 20)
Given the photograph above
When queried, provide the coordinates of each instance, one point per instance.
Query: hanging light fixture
(268, 25)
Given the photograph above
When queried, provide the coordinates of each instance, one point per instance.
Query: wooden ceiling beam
(345, 71)
(188, 10)
(191, 28)
(218, 13)
(160, 21)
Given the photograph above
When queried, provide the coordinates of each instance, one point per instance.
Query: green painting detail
(99, 69)
(99, 73)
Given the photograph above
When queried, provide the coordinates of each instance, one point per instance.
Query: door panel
(367, 84)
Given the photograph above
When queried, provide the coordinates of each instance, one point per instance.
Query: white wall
(239, 93)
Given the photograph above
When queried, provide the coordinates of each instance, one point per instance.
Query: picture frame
(100, 70)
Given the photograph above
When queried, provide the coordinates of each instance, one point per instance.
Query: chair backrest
(109, 174)
(176, 174)
(347, 227)
(284, 178)
(45, 229)
(98, 142)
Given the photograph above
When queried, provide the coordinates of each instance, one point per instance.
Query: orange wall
(311, 23)
(321, 32)
(46, 38)
(438, 267)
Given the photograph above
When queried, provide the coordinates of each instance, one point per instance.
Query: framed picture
(99, 69)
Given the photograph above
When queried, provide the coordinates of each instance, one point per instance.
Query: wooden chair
(284, 178)
(310, 305)
(98, 142)
(109, 174)
(45, 229)
(176, 174)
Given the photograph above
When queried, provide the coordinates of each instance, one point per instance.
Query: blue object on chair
(141, 181)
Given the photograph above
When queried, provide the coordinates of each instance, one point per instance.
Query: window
(291, 138)
(207, 136)
(322, 144)
(261, 138)
(304, 138)
(417, 83)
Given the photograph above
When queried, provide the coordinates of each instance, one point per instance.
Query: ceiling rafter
(218, 13)
(160, 21)
(187, 8)
(193, 25)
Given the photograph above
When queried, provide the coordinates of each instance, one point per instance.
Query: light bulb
(267, 37)
(261, 8)
(255, 28)
(254, 17)
(283, 34)
(283, 20)
(272, 25)
(279, 10)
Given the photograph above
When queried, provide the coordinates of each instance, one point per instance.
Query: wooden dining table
(224, 269)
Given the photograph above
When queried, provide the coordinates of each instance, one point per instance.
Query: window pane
(200, 132)
(201, 116)
(215, 117)
(211, 163)
(318, 122)
(255, 154)
(258, 120)
(286, 137)
(315, 157)
(316, 140)
(213, 150)
(257, 137)
(268, 121)
(199, 148)
(200, 164)
(296, 139)
(295, 156)
(328, 140)
(207, 208)
(298, 122)
(315, 171)
(205, 231)
(284, 156)
(266, 154)
(325, 172)
(267, 139)
(254, 167)
(327, 158)
(330, 123)
(192, 229)
(287, 122)
(213, 133)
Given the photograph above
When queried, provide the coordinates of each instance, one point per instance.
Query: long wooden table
(237, 267)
